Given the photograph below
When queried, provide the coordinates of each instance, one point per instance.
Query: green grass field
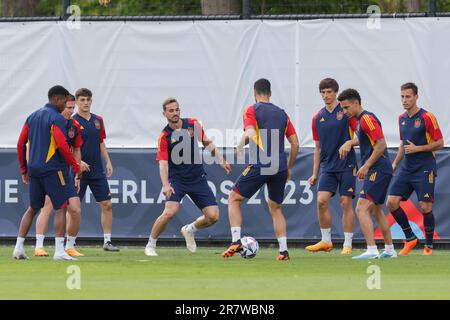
(177, 274)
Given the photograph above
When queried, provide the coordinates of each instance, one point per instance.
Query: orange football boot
(408, 246)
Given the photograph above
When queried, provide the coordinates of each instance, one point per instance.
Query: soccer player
(45, 170)
(74, 140)
(260, 118)
(93, 151)
(182, 174)
(420, 136)
(376, 172)
(331, 129)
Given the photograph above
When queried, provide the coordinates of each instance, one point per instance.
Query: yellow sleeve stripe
(433, 120)
(369, 122)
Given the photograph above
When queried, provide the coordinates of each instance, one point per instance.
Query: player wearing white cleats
(150, 251)
(189, 237)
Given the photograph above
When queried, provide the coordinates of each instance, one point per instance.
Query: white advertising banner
(210, 67)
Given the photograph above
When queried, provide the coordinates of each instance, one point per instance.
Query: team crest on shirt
(340, 115)
(71, 133)
(417, 123)
(97, 124)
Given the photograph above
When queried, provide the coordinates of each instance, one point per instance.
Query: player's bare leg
(25, 225)
(73, 213)
(393, 204)
(325, 222)
(385, 229)
(348, 223)
(279, 226)
(60, 231)
(42, 227)
(107, 221)
(429, 224)
(73, 222)
(235, 218)
(209, 217)
(170, 211)
(364, 209)
(383, 224)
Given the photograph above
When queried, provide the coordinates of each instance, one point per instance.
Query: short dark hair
(410, 85)
(168, 101)
(262, 86)
(57, 91)
(70, 97)
(350, 95)
(329, 83)
(83, 92)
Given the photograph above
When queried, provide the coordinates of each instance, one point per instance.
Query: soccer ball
(250, 247)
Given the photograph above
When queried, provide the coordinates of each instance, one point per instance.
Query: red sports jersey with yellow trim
(45, 132)
(272, 119)
(420, 129)
(183, 169)
(369, 132)
(332, 130)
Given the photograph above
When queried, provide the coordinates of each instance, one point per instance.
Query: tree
(413, 5)
(217, 7)
(24, 8)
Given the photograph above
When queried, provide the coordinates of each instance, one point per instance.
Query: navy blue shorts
(199, 192)
(346, 181)
(375, 187)
(59, 186)
(99, 188)
(251, 181)
(422, 182)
